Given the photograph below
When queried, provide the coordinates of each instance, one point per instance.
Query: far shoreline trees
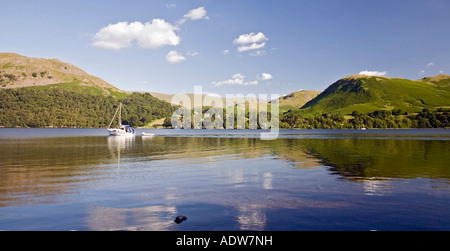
(384, 119)
(38, 108)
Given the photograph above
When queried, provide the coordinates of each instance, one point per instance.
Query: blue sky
(233, 46)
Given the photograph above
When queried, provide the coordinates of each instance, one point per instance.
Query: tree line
(217, 118)
(28, 107)
(383, 119)
(427, 118)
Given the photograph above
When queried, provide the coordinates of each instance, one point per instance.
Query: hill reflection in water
(225, 183)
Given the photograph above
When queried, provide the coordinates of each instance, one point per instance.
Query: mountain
(18, 71)
(367, 94)
(296, 100)
(37, 92)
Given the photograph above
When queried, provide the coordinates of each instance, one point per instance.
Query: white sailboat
(121, 130)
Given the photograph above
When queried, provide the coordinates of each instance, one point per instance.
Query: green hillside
(37, 92)
(60, 107)
(367, 94)
(296, 100)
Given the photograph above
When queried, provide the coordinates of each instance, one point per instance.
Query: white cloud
(430, 64)
(117, 36)
(250, 38)
(158, 34)
(175, 57)
(236, 79)
(251, 41)
(265, 76)
(373, 73)
(226, 52)
(238, 76)
(195, 14)
(150, 35)
(254, 46)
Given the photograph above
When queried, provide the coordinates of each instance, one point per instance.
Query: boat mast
(119, 122)
(118, 108)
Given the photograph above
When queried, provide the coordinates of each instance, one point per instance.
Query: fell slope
(367, 94)
(296, 100)
(39, 92)
(18, 71)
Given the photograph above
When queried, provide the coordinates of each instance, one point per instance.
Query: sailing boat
(122, 130)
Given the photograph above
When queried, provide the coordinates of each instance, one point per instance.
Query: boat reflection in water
(117, 145)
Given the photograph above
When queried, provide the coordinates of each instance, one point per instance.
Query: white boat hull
(120, 132)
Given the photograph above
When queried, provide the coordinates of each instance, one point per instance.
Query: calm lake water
(82, 179)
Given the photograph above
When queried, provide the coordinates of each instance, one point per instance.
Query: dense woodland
(28, 107)
(427, 118)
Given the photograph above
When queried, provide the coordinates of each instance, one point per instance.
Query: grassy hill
(367, 94)
(37, 92)
(17, 71)
(296, 100)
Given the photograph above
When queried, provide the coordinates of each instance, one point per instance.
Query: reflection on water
(367, 158)
(116, 145)
(37, 169)
(225, 183)
(376, 187)
(120, 143)
(251, 217)
(150, 218)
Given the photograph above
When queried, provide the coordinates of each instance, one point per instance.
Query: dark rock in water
(180, 219)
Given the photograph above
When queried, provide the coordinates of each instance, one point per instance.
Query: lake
(83, 179)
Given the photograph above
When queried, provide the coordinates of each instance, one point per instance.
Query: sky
(233, 46)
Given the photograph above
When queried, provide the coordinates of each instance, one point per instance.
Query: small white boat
(144, 134)
(121, 130)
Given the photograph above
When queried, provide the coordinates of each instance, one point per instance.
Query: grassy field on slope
(368, 94)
